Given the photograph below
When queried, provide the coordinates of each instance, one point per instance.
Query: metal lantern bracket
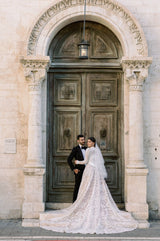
(83, 45)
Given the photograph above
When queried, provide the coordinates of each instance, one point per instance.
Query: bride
(94, 211)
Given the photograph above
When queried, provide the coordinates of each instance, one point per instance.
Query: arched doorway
(134, 63)
(84, 96)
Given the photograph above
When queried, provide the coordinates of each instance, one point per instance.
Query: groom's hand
(76, 171)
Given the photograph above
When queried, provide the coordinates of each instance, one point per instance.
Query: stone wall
(148, 15)
(17, 19)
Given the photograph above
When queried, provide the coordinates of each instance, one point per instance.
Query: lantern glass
(83, 50)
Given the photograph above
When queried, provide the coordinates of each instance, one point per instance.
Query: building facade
(49, 95)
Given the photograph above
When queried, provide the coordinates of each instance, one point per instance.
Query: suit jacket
(76, 153)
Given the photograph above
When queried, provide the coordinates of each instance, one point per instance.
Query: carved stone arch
(109, 13)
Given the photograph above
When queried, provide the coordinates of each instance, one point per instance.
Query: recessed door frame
(93, 72)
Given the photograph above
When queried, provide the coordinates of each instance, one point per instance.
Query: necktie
(83, 147)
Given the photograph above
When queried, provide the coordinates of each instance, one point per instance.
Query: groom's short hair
(79, 136)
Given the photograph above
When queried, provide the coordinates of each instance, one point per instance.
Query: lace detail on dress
(94, 211)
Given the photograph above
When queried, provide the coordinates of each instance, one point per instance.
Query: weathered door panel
(84, 103)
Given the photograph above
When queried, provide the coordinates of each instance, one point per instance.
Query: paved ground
(13, 230)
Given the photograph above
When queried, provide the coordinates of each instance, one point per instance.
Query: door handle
(67, 132)
(103, 133)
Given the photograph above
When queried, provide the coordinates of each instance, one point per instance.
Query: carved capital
(35, 70)
(136, 71)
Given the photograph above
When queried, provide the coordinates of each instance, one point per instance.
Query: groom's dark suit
(76, 154)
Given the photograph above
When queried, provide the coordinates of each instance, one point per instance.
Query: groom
(78, 153)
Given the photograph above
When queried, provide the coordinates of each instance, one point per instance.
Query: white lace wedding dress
(94, 211)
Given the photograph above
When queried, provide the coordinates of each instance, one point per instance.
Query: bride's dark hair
(92, 139)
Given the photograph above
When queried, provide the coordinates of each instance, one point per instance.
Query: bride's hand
(76, 161)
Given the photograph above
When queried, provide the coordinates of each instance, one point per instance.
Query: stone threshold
(56, 206)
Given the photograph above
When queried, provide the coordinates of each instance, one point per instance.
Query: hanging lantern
(83, 49)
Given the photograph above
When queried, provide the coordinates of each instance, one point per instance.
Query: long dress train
(94, 211)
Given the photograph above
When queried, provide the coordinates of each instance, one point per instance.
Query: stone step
(56, 206)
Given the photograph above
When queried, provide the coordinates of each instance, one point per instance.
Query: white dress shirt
(83, 151)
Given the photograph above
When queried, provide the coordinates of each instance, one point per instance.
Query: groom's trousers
(78, 178)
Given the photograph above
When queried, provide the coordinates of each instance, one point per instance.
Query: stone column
(34, 169)
(135, 72)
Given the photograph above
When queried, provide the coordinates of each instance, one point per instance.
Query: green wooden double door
(83, 102)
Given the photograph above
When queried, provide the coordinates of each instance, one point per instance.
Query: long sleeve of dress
(86, 158)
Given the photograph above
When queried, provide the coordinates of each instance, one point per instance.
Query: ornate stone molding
(136, 63)
(35, 70)
(110, 5)
(135, 71)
